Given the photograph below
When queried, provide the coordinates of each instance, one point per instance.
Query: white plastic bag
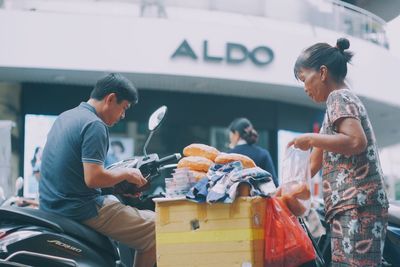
(296, 176)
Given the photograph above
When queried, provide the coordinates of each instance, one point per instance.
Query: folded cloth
(199, 191)
(222, 182)
(217, 172)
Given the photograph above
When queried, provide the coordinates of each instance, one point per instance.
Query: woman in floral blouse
(353, 189)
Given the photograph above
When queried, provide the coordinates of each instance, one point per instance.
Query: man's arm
(98, 177)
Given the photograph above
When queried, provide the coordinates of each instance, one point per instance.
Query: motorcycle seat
(61, 225)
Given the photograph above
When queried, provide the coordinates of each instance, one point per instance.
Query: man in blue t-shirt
(72, 170)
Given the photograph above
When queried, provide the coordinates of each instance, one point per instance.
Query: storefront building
(209, 61)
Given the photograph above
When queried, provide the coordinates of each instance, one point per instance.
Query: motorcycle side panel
(61, 246)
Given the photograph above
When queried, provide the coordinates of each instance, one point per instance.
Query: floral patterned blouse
(350, 181)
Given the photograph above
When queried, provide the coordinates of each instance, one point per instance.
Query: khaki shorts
(130, 226)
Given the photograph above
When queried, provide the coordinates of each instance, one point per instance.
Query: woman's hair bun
(342, 44)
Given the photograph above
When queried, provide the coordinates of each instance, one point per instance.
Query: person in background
(73, 173)
(32, 181)
(243, 138)
(116, 153)
(37, 156)
(356, 204)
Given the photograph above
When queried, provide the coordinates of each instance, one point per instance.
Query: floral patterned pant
(358, 236)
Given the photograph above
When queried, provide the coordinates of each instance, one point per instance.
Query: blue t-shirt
(260, 156)
(77, 136)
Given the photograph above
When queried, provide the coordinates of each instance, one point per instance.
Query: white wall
(41, 40)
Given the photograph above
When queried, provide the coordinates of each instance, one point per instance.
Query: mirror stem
(147, 143)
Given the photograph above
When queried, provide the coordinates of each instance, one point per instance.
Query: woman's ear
(323, 70)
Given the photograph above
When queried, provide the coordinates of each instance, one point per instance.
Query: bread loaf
(224, 158)
(198, 175)
(195, 163)
(200, 150)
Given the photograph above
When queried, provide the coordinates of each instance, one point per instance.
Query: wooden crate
(189, 234)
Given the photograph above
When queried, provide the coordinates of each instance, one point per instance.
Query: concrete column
(10, 107)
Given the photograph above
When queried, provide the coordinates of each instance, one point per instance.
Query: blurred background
(209, 61)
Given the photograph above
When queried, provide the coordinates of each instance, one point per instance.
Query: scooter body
(391, 252)
(31, 237)
(35, 238)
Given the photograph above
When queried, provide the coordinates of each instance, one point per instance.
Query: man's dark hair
(118, 84)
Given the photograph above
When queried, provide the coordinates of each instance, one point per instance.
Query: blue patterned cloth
(222, 181)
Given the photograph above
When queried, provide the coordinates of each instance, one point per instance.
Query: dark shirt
(77, 136)
(260, 156)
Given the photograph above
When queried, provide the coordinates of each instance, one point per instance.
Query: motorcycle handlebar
(149, 166)
(170, 158)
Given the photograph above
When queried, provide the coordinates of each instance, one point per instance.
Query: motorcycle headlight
(15, 237)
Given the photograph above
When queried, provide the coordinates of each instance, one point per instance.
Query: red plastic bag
(286, 242)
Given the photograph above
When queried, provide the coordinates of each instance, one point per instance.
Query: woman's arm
(316, 160)
(350, 139)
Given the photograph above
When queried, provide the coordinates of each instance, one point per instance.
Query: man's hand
(24, 202)
(302, 142)
(134, 176)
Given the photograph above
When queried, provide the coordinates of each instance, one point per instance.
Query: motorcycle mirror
(154, 122)
(157, 117)
(19, 183)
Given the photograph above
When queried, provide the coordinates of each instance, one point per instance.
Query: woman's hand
(278, 192)
(303, 142)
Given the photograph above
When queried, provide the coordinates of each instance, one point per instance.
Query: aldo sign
(234, 53)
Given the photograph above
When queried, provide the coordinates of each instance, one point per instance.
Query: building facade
(209, 61)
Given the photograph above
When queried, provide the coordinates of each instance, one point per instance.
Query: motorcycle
(391, 252)
(31, 237)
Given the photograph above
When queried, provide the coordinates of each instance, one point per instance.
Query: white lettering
(61, 244)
